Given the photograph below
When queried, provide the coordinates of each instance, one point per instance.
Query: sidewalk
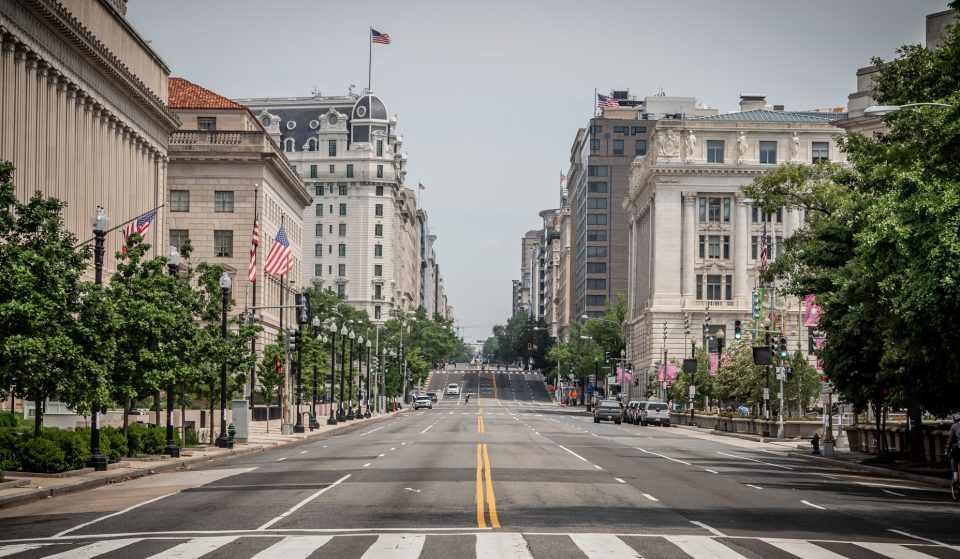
(20, 487)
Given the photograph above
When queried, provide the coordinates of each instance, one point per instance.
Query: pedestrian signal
(737, 333)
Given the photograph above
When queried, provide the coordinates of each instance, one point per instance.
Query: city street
(510, 474)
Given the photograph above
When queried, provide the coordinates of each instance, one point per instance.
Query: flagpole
(594, 102)
(370, 59)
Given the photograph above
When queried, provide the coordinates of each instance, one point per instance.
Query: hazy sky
(490, 93)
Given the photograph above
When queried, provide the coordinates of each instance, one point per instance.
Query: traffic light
(302, 302)
(783, 347)
(686, 323)
(293, 343)
(755, 305)
(737, 333)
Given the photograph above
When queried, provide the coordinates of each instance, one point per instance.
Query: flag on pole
(563, 178)
(671, 373)
(277, 262)
(763, 247)
(660, 375)
(379, 38)
(138, 226)
(605, 102)
(420, 185)
(254, 242)
(714, 364)
(812, 313)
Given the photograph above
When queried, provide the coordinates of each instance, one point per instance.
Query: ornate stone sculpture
(691, 143)
(741, 147)
(795, 148)
(668, 144)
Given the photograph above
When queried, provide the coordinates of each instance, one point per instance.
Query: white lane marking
(753, 486)
(94, 549)
(304, 451)
(194, 549)
(802, 548)
(297, 506)
(651, 497)
(412, 489)
(893, 493)
(597, 467)
(704, 546)
(128, 509)
(19, 548)
(893, 550)
(755, 460)
(663, 456)
(372, 430)
(324, 446)
(869, 484)
(427, 429)
(603, 546)
(809, 504)
(381, 455)
(502, 546)
(293, 547)
(403, 443)
(573, 453)
(367, 464)
(536, 432)
(620, 480)
(394, 448)
(594, 434)
(711, 471)
(396, 546)
(281, 459)
(713, 531)
(909, 535)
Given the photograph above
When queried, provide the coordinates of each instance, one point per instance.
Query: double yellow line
(484, 477)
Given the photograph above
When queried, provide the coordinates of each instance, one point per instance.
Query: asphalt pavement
(510, 474)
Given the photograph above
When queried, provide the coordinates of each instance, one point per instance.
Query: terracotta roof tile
(184, 94)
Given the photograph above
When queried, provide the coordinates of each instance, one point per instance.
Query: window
(379, 171)
(702, 244)
(597, 171)
(378, 230)
(330, 228)
(618, 147)
(597, 252)
(332, 169)
(728, 287)
(318, 190)
(342, 190)
(288, 146)
(342, 230)
(313, 171)
(820, 152)
(318, 249)
(223, 244)
(713, 209)
(379, 190)
(318, 230)
(179, 200)
(597, 186)
(639, 129)
(597, 219)
(699, 286)
(713, 287)
(754, 243)
(597, 284)
(378, 270)
(376, 312)
(343, 209)
(726, 210)
(349, 170)
(768, 153)
(342, 289)
(713, 246)
(596, 300)
(596, 267)
(378, 249)
(596, 129)
(594, 144)
(379, 148)
(342, 270)
(330, 249)
(319, 210)
(778, 250)
(378, 210)
(640, 147)
(702, 205)
(312, 144)
(726, 247)
(342, 249)
(332, 148)
(714, 151)
(318, 270)
(621, 129)
(757, 216)
(206, 123)
(597, 203)
(178, 237)
(378, 292)
(597, 235)
(223, 201)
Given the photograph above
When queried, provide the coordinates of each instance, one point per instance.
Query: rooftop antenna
(661, 93)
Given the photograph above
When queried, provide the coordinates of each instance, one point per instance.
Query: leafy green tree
(269, 379)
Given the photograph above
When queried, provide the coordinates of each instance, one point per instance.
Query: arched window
(288, 145)
(312, 144)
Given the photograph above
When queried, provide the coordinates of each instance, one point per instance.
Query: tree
(270, 379)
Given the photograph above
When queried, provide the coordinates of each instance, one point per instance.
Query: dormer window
(312, 144)
(288, 145)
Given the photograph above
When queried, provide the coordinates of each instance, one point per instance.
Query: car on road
(423, 402)
(632, 411)
(453, 389)
(655, 412)
(433, 396)
(608, 409)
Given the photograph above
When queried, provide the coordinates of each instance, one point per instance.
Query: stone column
(689, 244)
(741, 247)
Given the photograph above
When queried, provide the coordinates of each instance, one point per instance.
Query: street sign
(826, 388)
(779, 395)
(766, 393)
(590, 390)
(611, 379)
(693, 391)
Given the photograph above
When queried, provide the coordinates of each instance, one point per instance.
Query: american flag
(763, 247)
(605, 102)
(138, 226)
(278, 260)
(254, 242)
(422, 187)
(563, 178)
(378, 37)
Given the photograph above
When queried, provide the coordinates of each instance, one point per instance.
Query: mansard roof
(764, 115)
(185, 94)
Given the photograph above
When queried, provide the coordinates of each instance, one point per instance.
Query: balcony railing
(218, 138)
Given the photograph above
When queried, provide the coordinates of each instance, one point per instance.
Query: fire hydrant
(815, 441)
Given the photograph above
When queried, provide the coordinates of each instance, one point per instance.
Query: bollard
(815, 441)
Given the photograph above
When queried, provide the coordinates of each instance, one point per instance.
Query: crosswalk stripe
(805, 549)
(603, 546)
(94, 549)
(502, 546)
(704, 546)
(195, 548)
(396, 546)
(293, 547)
(19, 548)
(894, 550)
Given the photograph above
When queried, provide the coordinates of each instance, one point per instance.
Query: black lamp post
(100, 223)
(321, 339)
(332, 420)
(720, 335)
(766, 390)
(367, 413)
(298, 345)
(341, 416)
(223, 441)
(359, 375)
(172, 450)
(350, 414)
(693, 377)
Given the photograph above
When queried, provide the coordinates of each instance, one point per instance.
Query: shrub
(7, 420)
(113, 444)
(8, 455)
(75, 447)
(192, 438)
(146, 440)
(42, 455)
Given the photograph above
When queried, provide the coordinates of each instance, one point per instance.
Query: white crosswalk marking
(894, 550)
(195, 548)
(805, 549)
(396, 546)
(704, 546)
(502, 546)
(94, 549)
(293, 547)
(604, 546)
(19, 548)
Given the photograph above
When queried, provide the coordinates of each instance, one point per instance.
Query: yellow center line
(481, 523)
(491, 500)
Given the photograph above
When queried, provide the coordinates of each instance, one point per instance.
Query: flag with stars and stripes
(605, 102)
(278, 259)
(379, 38)
(138, 226)
(763, 247)
(254, 243)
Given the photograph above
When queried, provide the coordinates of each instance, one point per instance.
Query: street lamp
(172, 450)
(359, 375)
(313, 406)
(766, 390)
(880, 110)
(100, 223)
(350, 415)
(341, 416)
(693, 377)
(223, 441)
(367, 398)
(332, 420)
(298, 343)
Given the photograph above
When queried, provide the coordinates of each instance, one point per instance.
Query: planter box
(748, 426)
(864, 438)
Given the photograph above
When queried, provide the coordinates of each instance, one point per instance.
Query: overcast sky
(490, 93)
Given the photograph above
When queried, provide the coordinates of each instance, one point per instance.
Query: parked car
(608, 409)
(433, 396)
(423, 402)
(655, 412)
(632, 411)
(453, 389)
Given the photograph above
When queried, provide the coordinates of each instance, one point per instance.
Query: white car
(422, 402)
(453, 390)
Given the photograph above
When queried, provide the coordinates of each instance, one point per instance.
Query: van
(655, 412)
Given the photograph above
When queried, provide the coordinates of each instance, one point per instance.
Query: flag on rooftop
(277, 262)
(138, 226)
(605, 102)
(421, 186)
(378, 37)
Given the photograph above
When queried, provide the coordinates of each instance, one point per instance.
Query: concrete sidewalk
(23, 487)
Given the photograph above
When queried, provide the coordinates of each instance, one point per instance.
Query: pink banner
(811, 316)
(671, 372)
(714, 364)
(623, 376)
(818, 343)
(660, 377)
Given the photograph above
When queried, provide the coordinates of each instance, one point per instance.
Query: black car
(433, 396)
